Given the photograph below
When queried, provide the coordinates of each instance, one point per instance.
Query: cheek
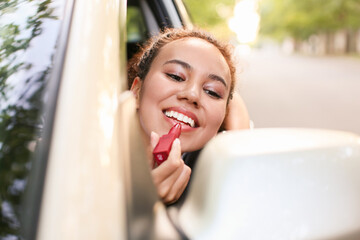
(216, 116)
(146, 111)
(150, 104)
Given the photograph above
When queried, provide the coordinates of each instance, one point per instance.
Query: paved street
(302, 91)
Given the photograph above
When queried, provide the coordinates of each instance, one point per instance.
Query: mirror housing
(275, 184)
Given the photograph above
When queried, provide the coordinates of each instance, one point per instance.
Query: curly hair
(140, 63)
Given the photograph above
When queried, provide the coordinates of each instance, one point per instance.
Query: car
(73, 165)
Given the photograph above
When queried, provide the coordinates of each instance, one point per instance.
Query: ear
(136, 88)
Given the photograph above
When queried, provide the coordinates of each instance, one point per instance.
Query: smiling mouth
(180, 117)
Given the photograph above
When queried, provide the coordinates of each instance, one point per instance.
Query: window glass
(28, 37)
(136, 30)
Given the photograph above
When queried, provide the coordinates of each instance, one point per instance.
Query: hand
(237, 116)
(172, 176)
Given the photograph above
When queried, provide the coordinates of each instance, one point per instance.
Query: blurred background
(298, 61)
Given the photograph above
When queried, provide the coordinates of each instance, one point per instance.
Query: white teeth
(180, 117)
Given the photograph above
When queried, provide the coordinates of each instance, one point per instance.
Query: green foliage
(300, 19)
(135, 27)
(205, 14)
(19, 120)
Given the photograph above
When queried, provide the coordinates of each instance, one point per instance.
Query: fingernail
(153, 135)
(177, 141)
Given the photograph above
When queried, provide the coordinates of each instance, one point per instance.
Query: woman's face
(188, 82)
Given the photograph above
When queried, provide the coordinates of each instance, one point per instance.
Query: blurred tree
(212, 15)
(20, 125)
(301, 19)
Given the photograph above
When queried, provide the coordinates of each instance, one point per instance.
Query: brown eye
(175, 77)
(212, 94)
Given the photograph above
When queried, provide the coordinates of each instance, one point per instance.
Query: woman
(183, 76)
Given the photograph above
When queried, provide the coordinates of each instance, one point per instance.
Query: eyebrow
(182, 63)
(188, 66)
(217, 78)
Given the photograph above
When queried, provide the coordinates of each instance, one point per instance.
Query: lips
(182, 116)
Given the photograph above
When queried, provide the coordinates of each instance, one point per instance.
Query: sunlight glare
(243, 50)
(245, 22)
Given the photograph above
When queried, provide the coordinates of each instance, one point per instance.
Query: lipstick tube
(162, 149)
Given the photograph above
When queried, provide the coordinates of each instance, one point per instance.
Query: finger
(175, 153)
(165, 175)
(154, 139)
(169, 166)
(165, 185)
(179, 186)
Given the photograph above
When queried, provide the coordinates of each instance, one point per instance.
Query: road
(301, 91)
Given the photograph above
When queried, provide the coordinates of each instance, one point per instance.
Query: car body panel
(84, 182)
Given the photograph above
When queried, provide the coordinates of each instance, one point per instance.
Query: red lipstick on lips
(162, 149)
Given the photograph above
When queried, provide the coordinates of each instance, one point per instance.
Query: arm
(238, 116)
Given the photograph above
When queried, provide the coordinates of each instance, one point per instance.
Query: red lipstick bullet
(162, 149)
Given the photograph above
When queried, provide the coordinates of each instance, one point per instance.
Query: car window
(27, 29)
(136, 29)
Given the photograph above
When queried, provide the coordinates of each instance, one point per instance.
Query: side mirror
(275, 184)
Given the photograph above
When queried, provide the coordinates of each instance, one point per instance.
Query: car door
(70, 137)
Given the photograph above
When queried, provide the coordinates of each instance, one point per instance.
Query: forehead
(199, 53)
(177, 47)
(191, 42)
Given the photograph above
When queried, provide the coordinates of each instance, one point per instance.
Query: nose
(190, 93)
